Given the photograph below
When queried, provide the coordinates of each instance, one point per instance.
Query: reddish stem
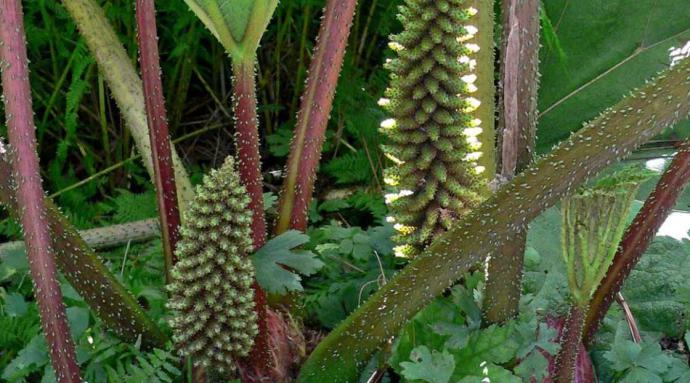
(570, 345)
(312, 119)
(29, 191)
(630, 318)
(250, 174)
(517, 124)
(247, 127)
(638, 237)
(158, 130)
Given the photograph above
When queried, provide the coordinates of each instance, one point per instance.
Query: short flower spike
(211, 292)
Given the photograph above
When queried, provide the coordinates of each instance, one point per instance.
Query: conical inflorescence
(432, 133)
(211, 296)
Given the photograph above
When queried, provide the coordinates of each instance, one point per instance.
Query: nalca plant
(211, 293)
(433, 145)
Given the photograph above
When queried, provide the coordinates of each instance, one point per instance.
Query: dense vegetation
(394, 126)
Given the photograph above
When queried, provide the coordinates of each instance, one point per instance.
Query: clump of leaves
(211, 290)
(622, 360)
(657, 289)
(445, 342)
(356, 263)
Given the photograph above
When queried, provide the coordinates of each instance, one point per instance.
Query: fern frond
(350, 168)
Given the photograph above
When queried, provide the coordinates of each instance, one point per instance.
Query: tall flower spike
(432, 135)
(211, 292)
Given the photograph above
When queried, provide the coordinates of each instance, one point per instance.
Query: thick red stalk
(584, 370)
(164, 173)
(312, 119)
(571, 342)
(29, 191)
(247, 135)
(638, 237)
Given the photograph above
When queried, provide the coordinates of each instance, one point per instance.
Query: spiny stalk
(110, 301)
(125, 85)
(312, 118)
(518, 125)
(247, 138)
(29, 191)
(639, 236)
(164, 173)
(608, 138)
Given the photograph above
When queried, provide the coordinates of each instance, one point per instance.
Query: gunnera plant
(432, 133)
(211, 294)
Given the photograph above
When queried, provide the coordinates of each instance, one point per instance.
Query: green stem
(608, 138)
(108, 298)
(106, 237)
(125, 86)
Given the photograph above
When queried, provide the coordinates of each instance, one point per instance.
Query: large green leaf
(235, 13)
(610, 48)
(657, 289)
(237, 24)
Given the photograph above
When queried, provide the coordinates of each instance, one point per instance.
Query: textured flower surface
(214, 319)
(432, 134)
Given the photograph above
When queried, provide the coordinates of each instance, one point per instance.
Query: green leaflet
(429, 366)
(279, 263)
(645, 362)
